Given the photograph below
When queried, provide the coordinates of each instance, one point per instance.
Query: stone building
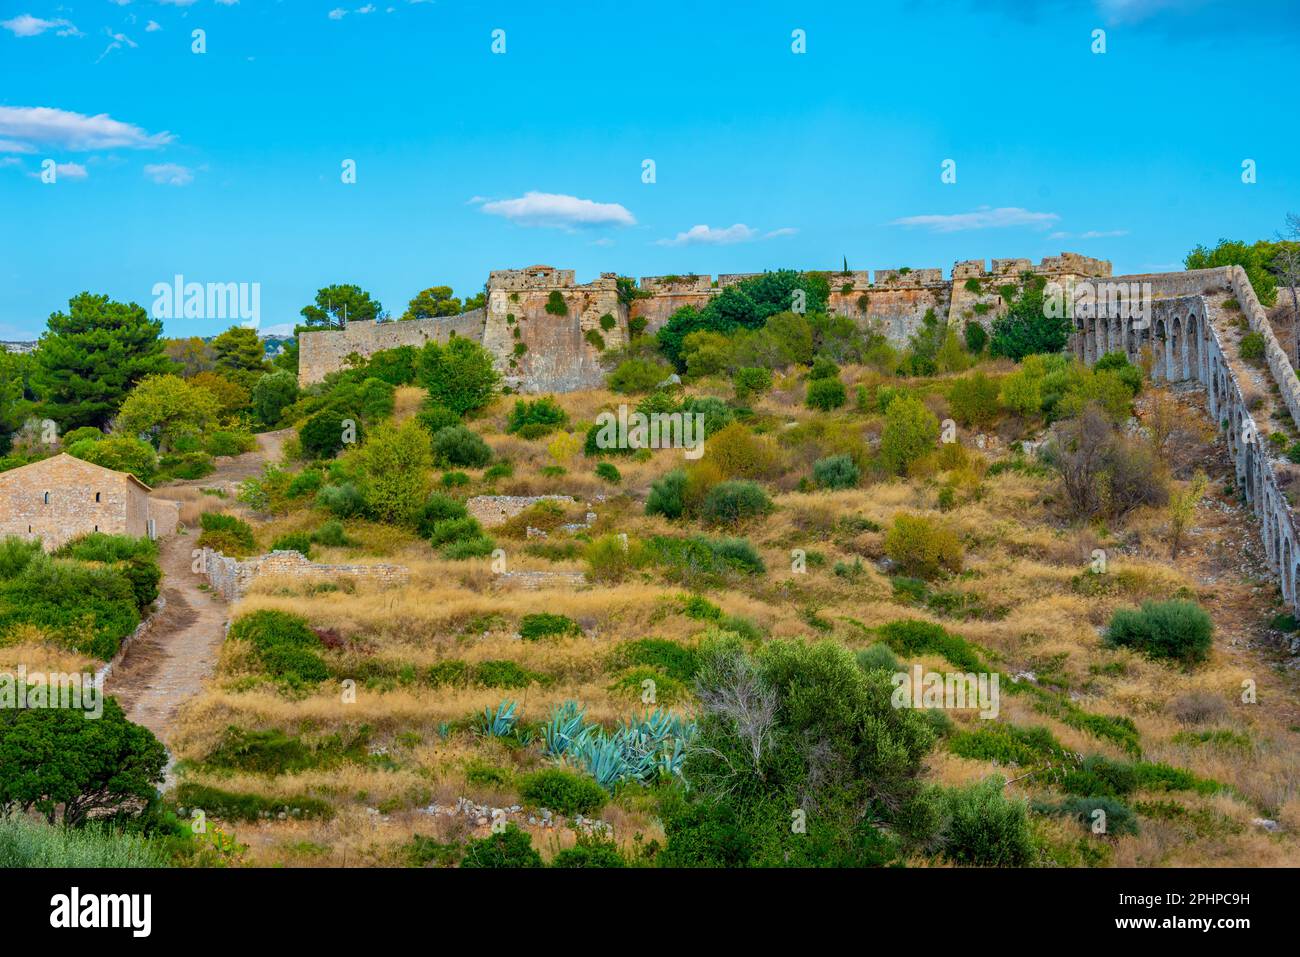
(61, 498)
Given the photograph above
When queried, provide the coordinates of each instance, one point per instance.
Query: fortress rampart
(548, 332)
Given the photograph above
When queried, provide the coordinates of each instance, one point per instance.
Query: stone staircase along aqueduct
(1193, 338)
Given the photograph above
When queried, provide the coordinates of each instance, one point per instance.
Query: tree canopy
(92, 356)
(337, 305)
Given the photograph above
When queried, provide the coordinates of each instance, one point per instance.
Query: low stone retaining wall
(494, 510)
(531, 581)
(230, 577)
(140, 630)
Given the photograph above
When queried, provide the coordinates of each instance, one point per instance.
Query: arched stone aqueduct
(1185, 346)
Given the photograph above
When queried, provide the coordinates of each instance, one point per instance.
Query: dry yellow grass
(1033, 613)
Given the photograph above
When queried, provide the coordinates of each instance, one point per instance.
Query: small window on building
(47, 498)
(96, 528)
(96, 496)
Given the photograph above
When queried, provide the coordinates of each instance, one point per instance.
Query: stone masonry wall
(494, 510)
(539, 351)
(230, 577)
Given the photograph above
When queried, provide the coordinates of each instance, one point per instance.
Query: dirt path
(166, 667)
(169, 664)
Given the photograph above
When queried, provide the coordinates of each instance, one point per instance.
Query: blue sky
(225, 166)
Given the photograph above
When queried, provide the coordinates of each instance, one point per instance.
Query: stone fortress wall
(547, 332)
(1193, 337)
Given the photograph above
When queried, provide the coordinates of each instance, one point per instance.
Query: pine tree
(92, 356)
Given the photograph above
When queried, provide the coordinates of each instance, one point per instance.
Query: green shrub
(227, 534)
(611, 558)
(332, 535)
(836, 472)
(637, 375)
(667, 495)
(878, 655)
(434, 417)
(305, 483)
(973, 400)
(136, 559)
(323, 434)
(230, 443)
(87, 608)
(423, 851)
(985, 829)
(826, 394)
(607, 471)
(1177, 630)
(1100, 776)
(910, 432)
(461, 446)
(911, 636)
(344, 499)
(538, 418)
(563, 792)
(1119, 818)
(235, 806)
(85, 433)
(503, 674)
(1008, 744)
(921, 548)
(460, 376)
(751, 381)
(555, 304)
(1252, 347)
(976, 337)
(729, 503)
(449, 530)
(590, 851)
(546, 625)
(449, 672)
(675, 660)
(299, 542)
(438, 508)
(285, 645)
(509, 848)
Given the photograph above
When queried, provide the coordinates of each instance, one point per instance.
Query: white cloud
(10, 161)
(11, 146)
(116, 42)
(337, 13)
(984, 217)
(557, 209)
(45, 125)
(708, 235)
(169, 174)
(178, 3)
(66, 171)
(152, 27)
(26, 25)
(1090, 234)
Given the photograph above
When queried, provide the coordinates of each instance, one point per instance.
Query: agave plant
(566, 729)
(501, 723)
(603, 759)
